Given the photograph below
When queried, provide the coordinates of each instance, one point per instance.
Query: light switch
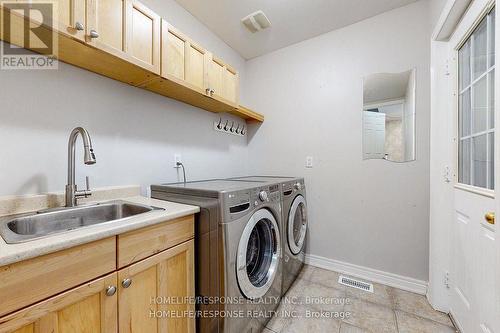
(309, 162)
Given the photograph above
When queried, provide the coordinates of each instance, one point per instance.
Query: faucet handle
(84, 193)
(88, 192)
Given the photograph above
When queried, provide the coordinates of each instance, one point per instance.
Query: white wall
(372, 213)
(135, 132)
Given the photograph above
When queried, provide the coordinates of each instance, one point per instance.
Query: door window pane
(464, 163)
(491, 161)
(465, 113)
(479, 163)
(476, 106)
(491, 99)
(480, 112)
(479, 49)
(464, 68)
(491, 39)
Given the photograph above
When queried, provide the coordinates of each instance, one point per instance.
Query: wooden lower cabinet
(85, 309)
(152, 295)
(155, 295)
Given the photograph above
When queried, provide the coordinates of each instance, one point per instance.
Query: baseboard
(370, 274)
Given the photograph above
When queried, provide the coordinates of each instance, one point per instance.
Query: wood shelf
(247, 114)
(179, 91)
(78, 52)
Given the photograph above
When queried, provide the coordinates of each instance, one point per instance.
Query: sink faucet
(72, 193)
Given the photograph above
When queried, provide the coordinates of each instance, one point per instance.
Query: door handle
(490, 217)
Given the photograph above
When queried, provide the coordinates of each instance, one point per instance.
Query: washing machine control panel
(238, 203)
(265, 195)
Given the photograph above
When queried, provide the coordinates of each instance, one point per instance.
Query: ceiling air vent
(256, 21)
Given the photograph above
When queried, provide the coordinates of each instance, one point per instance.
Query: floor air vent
(353, 283)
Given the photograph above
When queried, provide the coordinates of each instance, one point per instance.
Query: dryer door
(259, 254)
(297, 224)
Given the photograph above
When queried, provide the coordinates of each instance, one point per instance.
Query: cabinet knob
(93, 34)
(110, 291)
(79, 26)
(126, 283)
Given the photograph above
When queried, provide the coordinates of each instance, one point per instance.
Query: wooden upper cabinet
(106, 25)
(127, 29)
(71, 18)
(165, 276)
(88, 308)
(182, 59)
(126, 41)
(222, 80)
(187, 63)
(143, 28)
(231, 85)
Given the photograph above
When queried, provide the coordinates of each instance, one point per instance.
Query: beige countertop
(11, 253)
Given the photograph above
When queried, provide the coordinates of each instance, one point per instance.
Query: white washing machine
(294, 223)
(238, 250)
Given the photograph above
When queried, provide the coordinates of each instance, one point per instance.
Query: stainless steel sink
(26, 227)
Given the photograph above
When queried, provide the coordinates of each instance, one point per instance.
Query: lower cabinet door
(157, 293)
(90, 308)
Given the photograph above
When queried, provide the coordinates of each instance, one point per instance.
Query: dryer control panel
(293, 186)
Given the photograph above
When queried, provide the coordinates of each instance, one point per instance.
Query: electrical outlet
(177, 158)
(309, 162)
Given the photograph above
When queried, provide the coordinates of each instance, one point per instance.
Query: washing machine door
(297, 224)
(259, 254)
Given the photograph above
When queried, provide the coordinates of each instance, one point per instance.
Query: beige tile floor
(317, 292)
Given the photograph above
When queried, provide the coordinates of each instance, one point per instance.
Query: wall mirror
(389, 116)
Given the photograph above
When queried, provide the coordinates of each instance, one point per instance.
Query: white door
(474, 248)
(373, 135)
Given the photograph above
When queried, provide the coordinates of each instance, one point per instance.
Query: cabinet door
(143, 40)
(231, 85)
(222, 81)
(107, 25)
(71, 18)
(147, 287)
(86, 309)
(182, 59)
